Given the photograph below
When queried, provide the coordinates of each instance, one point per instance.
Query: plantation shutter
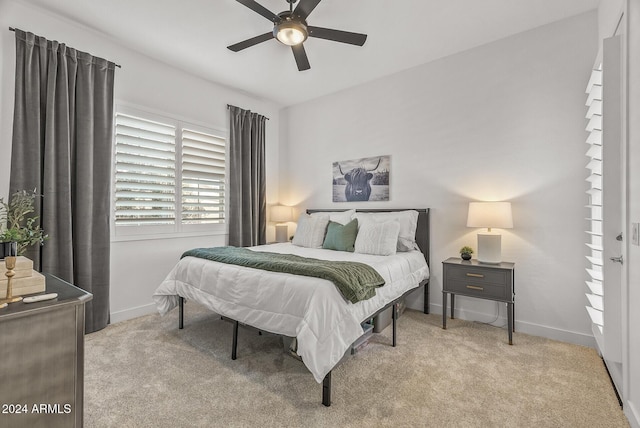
(203, 177)
(595, 293)
(145, 172)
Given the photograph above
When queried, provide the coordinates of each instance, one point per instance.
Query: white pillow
(377, 238)
(342, 217)
(408, 224)
(311, 230)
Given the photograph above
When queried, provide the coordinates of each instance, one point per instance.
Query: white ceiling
(193, 35)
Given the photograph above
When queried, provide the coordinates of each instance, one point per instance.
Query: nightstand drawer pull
(475, 287)
(475, 275)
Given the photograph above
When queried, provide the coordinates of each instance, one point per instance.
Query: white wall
(137, 267)
(504, 121)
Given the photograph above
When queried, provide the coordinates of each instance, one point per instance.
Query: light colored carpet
(147, 373)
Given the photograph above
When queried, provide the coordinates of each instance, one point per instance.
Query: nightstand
(484, 281)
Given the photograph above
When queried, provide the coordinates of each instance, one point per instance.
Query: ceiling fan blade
(258, 8)
(251, 42)
(305, 7)
(337, 35)
(301, 57)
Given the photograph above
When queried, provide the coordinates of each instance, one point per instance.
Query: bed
(312, 310)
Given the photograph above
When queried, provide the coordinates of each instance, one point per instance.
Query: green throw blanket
(356, 281)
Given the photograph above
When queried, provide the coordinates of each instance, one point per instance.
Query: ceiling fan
(290, 28)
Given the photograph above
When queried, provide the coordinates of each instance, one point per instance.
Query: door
(613, 212)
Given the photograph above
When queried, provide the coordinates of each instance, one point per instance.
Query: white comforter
(310, 309)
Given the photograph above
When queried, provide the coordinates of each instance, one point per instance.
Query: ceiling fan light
(291, 33)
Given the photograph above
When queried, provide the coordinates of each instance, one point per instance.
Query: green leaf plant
(16, 222)
(466, 250)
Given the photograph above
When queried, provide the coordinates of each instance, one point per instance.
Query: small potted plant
(19, 230)
(465, 252)
(8, 244)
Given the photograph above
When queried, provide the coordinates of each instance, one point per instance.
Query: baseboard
(556, 334)
(632, 414)
(131, 313)
(521, 326)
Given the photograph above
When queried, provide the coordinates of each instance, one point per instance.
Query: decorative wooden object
(25, 280)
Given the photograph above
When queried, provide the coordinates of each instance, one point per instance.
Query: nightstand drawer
(483, 290)
(477, 275)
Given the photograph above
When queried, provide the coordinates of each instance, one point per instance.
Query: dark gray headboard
(422, 231)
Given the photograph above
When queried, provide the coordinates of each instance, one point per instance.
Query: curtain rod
(13, 29)
(229, 105)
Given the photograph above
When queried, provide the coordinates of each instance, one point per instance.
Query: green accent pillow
(341, 237)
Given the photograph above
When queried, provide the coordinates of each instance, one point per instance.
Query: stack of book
(25, 281)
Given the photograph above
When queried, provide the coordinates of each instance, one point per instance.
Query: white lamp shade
(281, 214)
(490, 214)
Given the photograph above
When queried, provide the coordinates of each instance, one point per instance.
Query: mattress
(309, 309)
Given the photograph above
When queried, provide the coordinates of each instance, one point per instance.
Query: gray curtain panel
(247, 188)
(62, 139)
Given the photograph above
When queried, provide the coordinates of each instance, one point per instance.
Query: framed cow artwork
(365, 179)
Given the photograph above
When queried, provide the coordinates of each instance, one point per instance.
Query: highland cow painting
(365, 179)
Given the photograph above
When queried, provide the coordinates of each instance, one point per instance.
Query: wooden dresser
(42, 359)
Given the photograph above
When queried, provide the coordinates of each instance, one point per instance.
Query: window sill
(174, 235)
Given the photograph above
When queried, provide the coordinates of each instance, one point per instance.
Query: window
(145, 171)
(203, 168)
(169, 176)
(594, 194)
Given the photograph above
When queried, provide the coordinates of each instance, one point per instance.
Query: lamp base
(282, 230)
(489, 248)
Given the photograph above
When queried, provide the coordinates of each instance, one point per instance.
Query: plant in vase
(18, 228)
(8, 243)
(465, 252)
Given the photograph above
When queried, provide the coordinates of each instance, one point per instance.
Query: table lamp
(281, 214)
(489, 215)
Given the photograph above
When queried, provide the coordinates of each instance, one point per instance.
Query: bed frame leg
(326, 390)
(394, 316)
(234, 346)
(181, 312)
(426, 297)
